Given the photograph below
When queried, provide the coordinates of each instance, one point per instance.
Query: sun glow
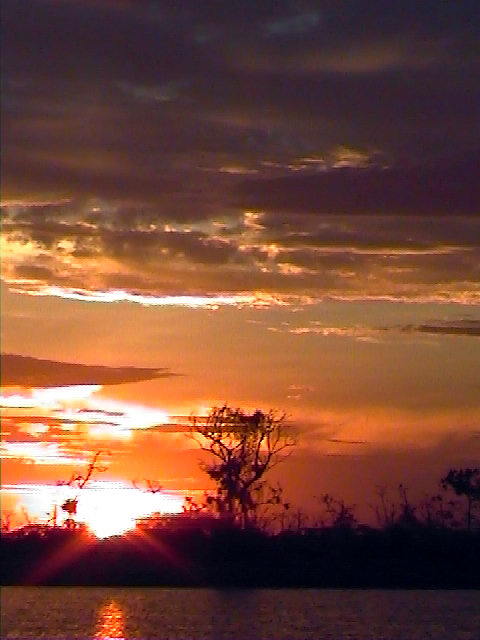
(112, 508)
(105, 526)
(48, 397)
(44, 453)
(256, 299)
(106, 508)
(81, 406)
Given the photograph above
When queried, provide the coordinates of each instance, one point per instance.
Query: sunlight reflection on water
(110, 623)
(105, 613)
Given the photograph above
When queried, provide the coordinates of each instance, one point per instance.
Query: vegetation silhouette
(243, 447)
(79, 481)
(465, 482)
(245, 535)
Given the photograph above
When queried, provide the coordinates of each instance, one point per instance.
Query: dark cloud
(342, 441)
(445, 189)
(468, 328)
(92, 245)
(142, 120)
(101, 98)
(410, 233)
(25, 371)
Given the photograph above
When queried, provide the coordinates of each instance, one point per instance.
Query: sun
(113, 508)
(105, 526)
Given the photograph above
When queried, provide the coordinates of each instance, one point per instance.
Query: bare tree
(337, 514)
(437, 511)
(6, 521)
(386, 512)
(78, 481)
(465, 482)
(149, 486)
(243, 447)
(407, 516)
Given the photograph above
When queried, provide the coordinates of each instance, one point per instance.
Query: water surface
(208, 614)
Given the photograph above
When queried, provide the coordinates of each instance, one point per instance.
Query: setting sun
(112, 508)
(103, 526)
(106, 508)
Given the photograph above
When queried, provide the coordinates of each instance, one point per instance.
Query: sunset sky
(272, 204)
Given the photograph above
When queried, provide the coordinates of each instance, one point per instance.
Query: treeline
(432, 544)
(222, 555)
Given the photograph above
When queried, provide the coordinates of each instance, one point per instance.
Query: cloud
(25, 371)
(465, 328)
(450, 188)
(34, 425)
(141, 127)
(295, 25)
(127, 102)
(72, 418)
(342, 441)
(363, 334)
(43, 453)
(211, 302)
(98, 252)
(469, 328)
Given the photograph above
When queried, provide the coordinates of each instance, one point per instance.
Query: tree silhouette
(6, 520)
(438, 511)
(464, 482)
(78, 481)
(336, 514)
(244, 447)
(150, 486)
(70, 507)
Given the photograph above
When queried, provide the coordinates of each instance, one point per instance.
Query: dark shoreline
(323, 558)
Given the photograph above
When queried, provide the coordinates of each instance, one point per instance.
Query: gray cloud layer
(155, 126)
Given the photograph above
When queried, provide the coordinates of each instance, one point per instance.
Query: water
(209, 614)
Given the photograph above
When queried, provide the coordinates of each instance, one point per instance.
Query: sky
(271, 204)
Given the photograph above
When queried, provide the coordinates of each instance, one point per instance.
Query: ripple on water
(68, 613)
